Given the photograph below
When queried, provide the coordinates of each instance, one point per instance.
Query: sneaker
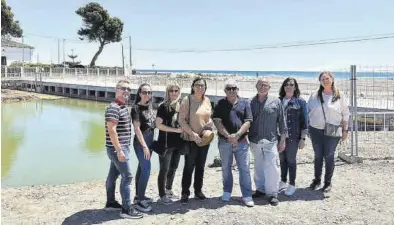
(184, 199)
(171, 194)
(112, 206)
(248, 201)
(327, 187)
(258, 194)
(273, 201)
(226, 196)
(315, 184)
(282, 186)
(200, 196)
(147, 199)
(143, 206)
(131, 213)
(290, 190)
(166, 200)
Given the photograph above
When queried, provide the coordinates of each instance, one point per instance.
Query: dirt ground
(361, 195)
(8, 95)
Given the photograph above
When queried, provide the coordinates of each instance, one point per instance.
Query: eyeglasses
(146, 92)
(289, 85)
(263, 86)
(199, 85)
(125, 89)
(173, 91)
(231, 88)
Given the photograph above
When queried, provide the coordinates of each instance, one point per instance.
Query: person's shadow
(301, 194)
(91, 216)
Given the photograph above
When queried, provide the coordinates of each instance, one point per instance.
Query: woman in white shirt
(328, 124)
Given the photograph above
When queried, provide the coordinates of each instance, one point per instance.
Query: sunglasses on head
(146, 92)
(125, 89)
(231, 88)
(289, 85)
(173, 91)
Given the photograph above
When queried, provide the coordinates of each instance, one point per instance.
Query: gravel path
(360, 195)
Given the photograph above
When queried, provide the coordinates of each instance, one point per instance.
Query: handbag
(185, 149)
(159, 148)
(330, 130)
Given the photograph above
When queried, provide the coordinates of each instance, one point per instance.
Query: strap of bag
(321, 103)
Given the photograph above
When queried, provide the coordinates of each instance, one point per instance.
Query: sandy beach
(360, 195)
(8, 95)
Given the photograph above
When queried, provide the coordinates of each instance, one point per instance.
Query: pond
(58, 142)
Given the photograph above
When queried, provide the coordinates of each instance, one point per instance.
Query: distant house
(15, 51)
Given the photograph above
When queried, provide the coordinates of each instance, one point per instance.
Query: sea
(306, 74)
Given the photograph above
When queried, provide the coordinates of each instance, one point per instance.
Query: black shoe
(143, 206)
(111, 206)
(315, 184)
(131, 213)
(146, 199)
(327, 187)
(258, 194)
(200, 196)
(273, 201)
(184, 199)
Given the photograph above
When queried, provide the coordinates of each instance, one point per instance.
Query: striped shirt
(119, 114)
(268, 119)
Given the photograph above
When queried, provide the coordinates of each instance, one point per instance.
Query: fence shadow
(91, 216)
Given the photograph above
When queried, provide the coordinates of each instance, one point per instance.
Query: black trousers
(168, 164)
(194, 160)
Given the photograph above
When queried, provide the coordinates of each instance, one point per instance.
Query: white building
(15, 51)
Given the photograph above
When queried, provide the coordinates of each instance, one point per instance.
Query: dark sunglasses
(146, 92)
(289, 85)
(199, 86)
(231, 88)
(173, 91)
(125, 89)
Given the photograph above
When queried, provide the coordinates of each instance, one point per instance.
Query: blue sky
(208, 24)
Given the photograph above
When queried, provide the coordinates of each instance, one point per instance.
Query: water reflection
(95, 139)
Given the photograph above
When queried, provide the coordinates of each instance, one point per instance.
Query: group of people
(272, 128)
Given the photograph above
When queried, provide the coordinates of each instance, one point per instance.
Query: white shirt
(285, 101)
(335, 111)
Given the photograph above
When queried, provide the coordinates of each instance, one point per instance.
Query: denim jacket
(296, 114)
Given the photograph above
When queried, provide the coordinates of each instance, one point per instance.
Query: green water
(57, 142)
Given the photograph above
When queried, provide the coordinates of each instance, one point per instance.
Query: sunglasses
(289, 85)
(146, 92)
(231, 88)
(174, 91)
(125, 89)
(199, 86)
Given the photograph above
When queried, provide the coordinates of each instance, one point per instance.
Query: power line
(283, 45)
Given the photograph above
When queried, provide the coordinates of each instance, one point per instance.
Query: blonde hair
(335, 90)
(121, 83)
(175, 104)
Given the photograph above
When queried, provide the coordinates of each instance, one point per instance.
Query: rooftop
(14, 44)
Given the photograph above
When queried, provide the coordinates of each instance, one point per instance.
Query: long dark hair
(282, 92)
(198, 79)
(335, 90)
(138, 97)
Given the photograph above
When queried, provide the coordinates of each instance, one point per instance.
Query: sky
(219, 24)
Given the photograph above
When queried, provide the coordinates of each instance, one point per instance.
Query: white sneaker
(290, 190)
(282, 186)
(248, 201)
(226, 196)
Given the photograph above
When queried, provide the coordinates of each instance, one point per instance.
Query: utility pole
(123, 59)
(23, 51)
(58, 51)
(131, 61)
(64, 53)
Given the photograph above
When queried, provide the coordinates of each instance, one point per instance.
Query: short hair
(231, 82)
(122, 82)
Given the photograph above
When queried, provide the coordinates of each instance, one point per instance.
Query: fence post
(352, 112)
(354, 81)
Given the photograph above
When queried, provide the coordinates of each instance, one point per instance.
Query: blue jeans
(117, 168)
(241, 153)
(143, 170)
(288, 161)
(324, 148)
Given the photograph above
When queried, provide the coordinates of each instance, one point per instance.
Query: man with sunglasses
(232, 117)
(118, 135)
(268, 124)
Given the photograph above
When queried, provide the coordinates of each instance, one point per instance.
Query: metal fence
(370, 91)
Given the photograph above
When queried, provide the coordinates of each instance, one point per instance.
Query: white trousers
(266, 166)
